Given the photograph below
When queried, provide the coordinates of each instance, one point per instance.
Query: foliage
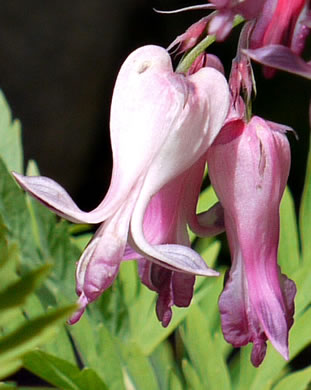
(119, 344)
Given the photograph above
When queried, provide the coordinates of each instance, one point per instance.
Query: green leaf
(289, 257)
(16, 294)
(42, 219)
(61, 346)
(273, 364)
(61, 373)
(8, 386)
(98, 348)
(138, 367)
(108, 352)
(247, 370)
(207, 199)
(8, 367)
(298, 380)
(163, 363)
(174, 382)
(191, 376)
(201, 346)
(10, 135)
(16, 217)
(31, 334)
(305, 214)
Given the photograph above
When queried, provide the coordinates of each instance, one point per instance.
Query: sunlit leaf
(31, 334)
(289, 257)
(205, 354)
(61, 373)
(10, 135)
(16, 294)
(299, 380)
(305, 214)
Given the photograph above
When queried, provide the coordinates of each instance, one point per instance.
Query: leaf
(273, 364)
(61, 346)
(298, 380)
(191, 376)
(16, 294)
(7, 386)
(16, 217)
(10, 135)
(305, 215)
(31, 334)
(205, 354)
(98, 349)
(174, 382)
(289, 257)
(61, 373)
(111, 367)
(42, 219)
(163, 363)
(139, 368)
(8, 367)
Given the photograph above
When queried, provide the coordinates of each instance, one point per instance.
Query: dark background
(58, 63)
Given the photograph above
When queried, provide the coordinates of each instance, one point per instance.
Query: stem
(189, 58)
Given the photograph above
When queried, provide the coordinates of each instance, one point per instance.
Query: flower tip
(258, 352)
(82, 303)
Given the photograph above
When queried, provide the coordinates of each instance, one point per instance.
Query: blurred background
(59, 61)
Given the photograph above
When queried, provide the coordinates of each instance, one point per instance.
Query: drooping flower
(281, 24)
(221, 24)
(248, 166)
(165, 221)
(190, 37)
(161, 124)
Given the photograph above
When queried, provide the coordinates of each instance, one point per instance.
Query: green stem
(189, 58)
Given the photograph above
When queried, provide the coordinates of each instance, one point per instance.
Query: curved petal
(281, 57)
(55, 197)
(204, 113)
(210, 222)
(99, 264)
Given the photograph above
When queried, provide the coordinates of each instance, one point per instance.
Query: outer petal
(281, 57)
(99, 264)
(203, 115)
(150, 111)
(52, 195)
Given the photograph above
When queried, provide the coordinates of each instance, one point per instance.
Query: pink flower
(161, 124)
(222, 22)
(248, 166)
(165, 221)
(190, 37)
(282, 23)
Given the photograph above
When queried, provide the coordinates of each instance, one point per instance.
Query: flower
(165, 221)
(282, 24)
(222, 22)
(161, 124)
(248, 166)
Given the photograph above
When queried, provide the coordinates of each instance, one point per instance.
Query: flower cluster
(165, 125)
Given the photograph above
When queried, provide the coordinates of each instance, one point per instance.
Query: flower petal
(281, 57)
(52, 195)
